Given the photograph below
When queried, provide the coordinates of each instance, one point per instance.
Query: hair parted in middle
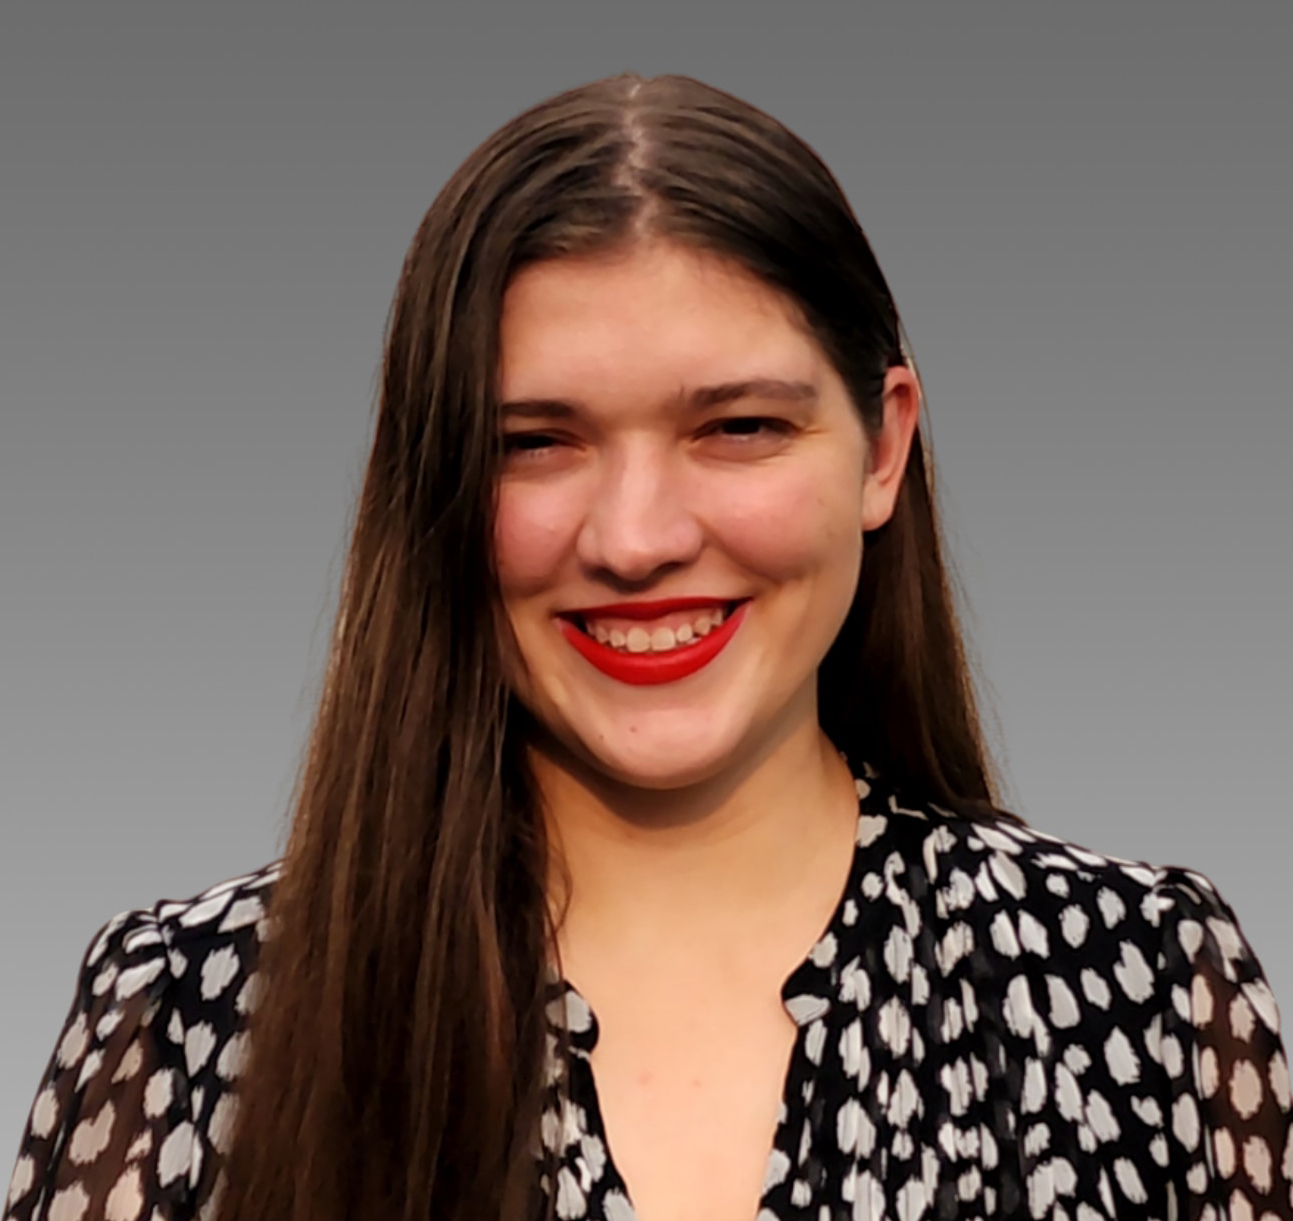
(397, 1054)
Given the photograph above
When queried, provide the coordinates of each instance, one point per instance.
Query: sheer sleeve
(1231, 1122)
(109, 1136)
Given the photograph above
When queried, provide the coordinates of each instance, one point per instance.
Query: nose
(639, 522)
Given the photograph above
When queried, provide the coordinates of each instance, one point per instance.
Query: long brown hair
(396, 1065)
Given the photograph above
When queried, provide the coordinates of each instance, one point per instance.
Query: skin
(705, 825)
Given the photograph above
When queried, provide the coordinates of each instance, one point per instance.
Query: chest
(690, 1092)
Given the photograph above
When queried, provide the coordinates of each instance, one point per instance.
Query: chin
(664, 762)
(663, 776)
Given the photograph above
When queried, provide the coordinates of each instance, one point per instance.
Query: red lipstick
(641, 669)
(651, 610)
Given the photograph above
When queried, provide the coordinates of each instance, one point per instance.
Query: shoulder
(1029, 896)
(1110, 1004)
(139, 946)
(137, 1090)
(189, 951)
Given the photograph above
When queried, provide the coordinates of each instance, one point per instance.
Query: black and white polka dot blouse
(995, 1023)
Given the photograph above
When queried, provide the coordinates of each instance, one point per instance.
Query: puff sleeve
(1231, 1121)
(109, 1137)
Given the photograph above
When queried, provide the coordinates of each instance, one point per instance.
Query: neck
(655, 872)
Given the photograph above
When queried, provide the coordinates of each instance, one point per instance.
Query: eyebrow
(699, 399)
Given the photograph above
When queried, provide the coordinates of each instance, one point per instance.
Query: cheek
(533, 533)
(795, 526)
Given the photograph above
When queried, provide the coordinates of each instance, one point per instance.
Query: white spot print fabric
(995, 1024)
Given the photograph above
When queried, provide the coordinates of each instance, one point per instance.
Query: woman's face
(680, 515)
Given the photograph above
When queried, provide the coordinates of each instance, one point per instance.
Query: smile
(653, 642)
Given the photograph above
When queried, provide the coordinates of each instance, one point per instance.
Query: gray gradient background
(1083, 210)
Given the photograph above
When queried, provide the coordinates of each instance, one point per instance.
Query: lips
(651, 610)
(650, 667)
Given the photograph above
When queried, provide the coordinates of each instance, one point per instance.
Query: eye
(741, 428)
(528, 442)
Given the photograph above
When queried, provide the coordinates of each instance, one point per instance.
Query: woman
(646, 860)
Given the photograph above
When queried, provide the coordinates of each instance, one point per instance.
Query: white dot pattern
(131, 1104)
(995, 1023)
(998, 1023)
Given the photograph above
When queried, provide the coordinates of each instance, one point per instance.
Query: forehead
(642, 321)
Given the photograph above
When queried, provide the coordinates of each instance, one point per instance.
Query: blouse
(995, 1023)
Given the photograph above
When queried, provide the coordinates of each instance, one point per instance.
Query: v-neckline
(808, 994)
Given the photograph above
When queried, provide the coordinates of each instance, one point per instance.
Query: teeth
(662, 639)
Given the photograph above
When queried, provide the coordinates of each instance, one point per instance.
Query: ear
(887, 452)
